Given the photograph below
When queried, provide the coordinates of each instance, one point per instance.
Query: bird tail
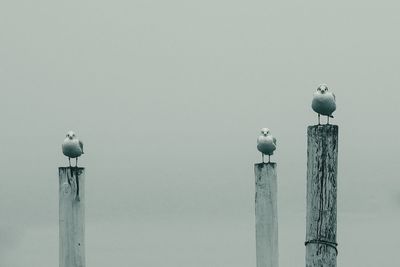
(331, 116)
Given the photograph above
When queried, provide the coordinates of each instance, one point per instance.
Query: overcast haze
(169, 98)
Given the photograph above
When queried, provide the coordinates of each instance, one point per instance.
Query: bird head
(323, 88)
(265, 131)
(71, 135)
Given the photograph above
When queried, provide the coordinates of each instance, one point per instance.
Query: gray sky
(169, 98)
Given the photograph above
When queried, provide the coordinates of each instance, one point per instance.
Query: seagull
(266, 144)
(324, 102)
(72, 147)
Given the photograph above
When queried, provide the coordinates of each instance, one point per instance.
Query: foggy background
(169, 98)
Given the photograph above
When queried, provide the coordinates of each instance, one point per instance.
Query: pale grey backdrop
(169, 98)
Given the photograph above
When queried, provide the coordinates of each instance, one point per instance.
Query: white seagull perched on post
(324, 102)
(266, 144)
(72, 147)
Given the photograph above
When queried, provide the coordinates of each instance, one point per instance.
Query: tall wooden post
(71, 215)
(266, 215)
(322, 157)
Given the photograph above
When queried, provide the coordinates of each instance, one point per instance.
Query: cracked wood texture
(71, 217)
(321, 224)
(266, 215)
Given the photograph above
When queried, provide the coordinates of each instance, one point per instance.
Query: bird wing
(259, 139)
(274, 140)
(81, 145)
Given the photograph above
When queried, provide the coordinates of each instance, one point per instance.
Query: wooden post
(322, 155)
(266, 215)
(71, 215)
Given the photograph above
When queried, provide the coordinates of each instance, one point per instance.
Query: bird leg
(69, 159)
(76, 162)
(328, 120)
(262, 157)
(269, 158)
(319, 119)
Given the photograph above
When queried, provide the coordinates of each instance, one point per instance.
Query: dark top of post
(263, 164)
(323, 130)
(77, 170)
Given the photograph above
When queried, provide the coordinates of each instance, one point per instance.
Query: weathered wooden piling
(266, 210)
(321, 224)
(72, 217)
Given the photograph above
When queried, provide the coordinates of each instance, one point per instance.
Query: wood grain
(321, 222)
(266, 211)
(71, 217)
